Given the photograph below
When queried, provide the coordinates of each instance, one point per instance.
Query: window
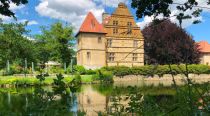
(135, 56)
(129, 24)
(111, 57)
(115, 23)
(88, 56)
(99, 40)
(115, 30)
(129, 31)
(78, 56)
(135, 43)
(109, 43)
(78, 41)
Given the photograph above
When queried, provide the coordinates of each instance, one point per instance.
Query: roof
(204, 47)
(91, 25)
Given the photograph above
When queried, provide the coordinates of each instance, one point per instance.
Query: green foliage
(55, 43)
(77, 80)
(90, 72)
(105, 76)
(56, 70)
(79, 69)
(15, 47)
(163, 8)
(149, 70)
(41, 77)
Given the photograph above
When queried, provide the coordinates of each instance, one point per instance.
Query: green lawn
(11, 80)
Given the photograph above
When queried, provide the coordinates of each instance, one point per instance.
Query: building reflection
(91, 101)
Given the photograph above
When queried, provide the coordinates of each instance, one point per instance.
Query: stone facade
(124, 39)
(91, 51)
(204, 48)
(120, 42)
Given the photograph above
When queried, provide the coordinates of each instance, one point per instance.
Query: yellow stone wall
(205, 58)
(122, 42)
(88, 42)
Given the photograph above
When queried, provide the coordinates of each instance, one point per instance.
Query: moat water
(90, 100)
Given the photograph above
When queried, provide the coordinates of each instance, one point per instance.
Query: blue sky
(45, 12)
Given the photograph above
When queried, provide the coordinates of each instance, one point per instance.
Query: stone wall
(180, 79)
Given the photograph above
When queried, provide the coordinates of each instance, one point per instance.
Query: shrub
(55, 69)
(149, 70)
(105, 76)
(77, 80)
(79, 69)
(118, 70)
(90, 72)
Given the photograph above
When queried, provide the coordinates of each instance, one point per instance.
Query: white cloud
(72, 11)
(5, 18)
(32, 22)
(111, 3)
(185, 23)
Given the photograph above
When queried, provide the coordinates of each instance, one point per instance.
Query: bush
(90, 72)
(79, 69)
(105, 76)
(160, 70)
(56, 70)
(118, 70)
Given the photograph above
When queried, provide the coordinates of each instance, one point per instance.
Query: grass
(12, 80)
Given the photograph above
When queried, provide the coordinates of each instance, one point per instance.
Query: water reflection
(90, 100)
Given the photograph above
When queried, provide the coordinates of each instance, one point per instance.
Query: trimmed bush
(160, 70)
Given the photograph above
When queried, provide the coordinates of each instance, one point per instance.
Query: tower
(91, 43)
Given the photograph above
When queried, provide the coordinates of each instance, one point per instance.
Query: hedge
(151, 70)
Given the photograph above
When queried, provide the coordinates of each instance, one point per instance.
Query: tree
(14, 45)
(167, 43)
(157, 7)
(57, 41)
(5, 5)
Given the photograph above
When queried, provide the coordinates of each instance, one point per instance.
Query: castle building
(118, 41)
(204, 48)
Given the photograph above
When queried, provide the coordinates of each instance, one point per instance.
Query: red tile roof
(204, 47)
(91, 25)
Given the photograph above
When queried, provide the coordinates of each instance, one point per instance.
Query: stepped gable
(122, 9)
(91, 25)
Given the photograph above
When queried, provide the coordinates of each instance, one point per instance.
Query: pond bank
(167, 78)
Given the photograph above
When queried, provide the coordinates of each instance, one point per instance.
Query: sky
(46, 12)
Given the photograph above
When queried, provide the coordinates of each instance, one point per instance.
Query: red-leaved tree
(167, 43)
